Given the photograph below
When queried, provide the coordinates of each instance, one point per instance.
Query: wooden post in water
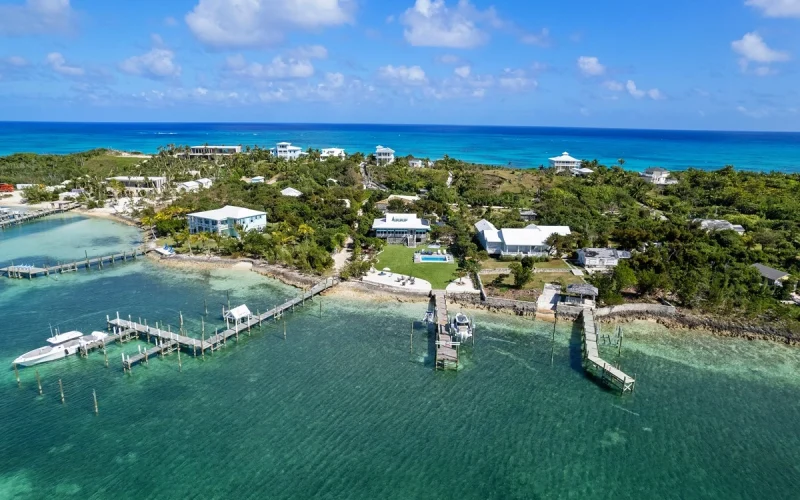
(320, 307)
(284, 329)
(411, 349)
(203, 344)
(181, 315)
(16, 374)
(228, 294)
(87, 259)
(61, 390)
(205, 306)
(94, 397)
(39, 382)
(258, 313)
(180, 365)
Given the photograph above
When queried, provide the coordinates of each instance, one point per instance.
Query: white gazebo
(564, 163)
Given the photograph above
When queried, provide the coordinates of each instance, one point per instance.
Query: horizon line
(134, 122)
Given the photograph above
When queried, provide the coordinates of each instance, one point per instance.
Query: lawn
(536, 283)
(492, 263)
(400, 260)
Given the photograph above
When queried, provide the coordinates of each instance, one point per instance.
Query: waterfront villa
(405, 229)
(287, 151)
(210, 152)
(384, 155)
(718, 225)
(658, 176)
(773, 277)
(332, 153)
(134, 183)
(292, 192)
(224, 220)
(419, 163)
(601, 258)
(192, 186)
(564, 163)
(528, 242)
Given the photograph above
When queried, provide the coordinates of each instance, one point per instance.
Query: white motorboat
(461, 327)
(61, 346)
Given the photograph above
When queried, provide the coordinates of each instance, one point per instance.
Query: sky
(683, 64)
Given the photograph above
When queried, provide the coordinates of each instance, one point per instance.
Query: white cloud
(515, 79)
(638, 93)
(613, 86)
(590, 66)
(753, 113)
(16, 61)
(251, 23)
(309, 52)
(37, 17)
(170, 21)
(431, 23)
(541, 39)
(58, 64)
(335, 80)
(776, 8)
(278, 68)
(158, 63)
(752, 48)
(478, 92)
(449, 59)
(407, 75)
(463, 71)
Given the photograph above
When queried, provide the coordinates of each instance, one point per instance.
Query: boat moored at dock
(60, 346)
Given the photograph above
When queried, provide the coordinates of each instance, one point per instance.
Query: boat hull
(45, 355)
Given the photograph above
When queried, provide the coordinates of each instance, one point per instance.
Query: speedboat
(461, 327)
(61, 346)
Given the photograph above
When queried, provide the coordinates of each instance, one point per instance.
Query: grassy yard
(536, 283)
(400, 260)
(502, 264)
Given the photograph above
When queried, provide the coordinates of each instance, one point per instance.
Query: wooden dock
(12, 220)
(593, 363)
(446, 353)
(168, 341)
(30, 272)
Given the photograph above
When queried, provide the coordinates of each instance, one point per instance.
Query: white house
(213, 151)
(601, 258)
(402, 228)
(719, 225)
(192, 186)
(259, 179)
(581, 171)
(658, 176)
(286, 150)
(224, 220)
(205, 183)
(528, 242)
(419, 163)
(384, 155)
(290, 191)
(134, 183)
(564, 163)
(332, 153)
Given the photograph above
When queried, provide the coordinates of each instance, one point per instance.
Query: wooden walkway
(38, 214)
(30, 272)
(446, 349)
(167, 341)
(593, 363)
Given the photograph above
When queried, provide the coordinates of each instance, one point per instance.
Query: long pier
(38, 214)
(30, 272)
(167, 341)
(593, 363)
(446, 353)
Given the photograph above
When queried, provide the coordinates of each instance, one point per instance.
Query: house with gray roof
(719, 225)
(773, 277)
(601, 258)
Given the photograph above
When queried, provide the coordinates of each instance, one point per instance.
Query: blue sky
(711, 64)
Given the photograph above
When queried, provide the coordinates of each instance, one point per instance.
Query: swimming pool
(433, 258)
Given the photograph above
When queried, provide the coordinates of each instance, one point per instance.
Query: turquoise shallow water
(342, 409)
(521, 147)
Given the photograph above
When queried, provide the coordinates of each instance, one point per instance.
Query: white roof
(258, 178)
(227, 212)
(135, 178)
(564, 157)
(290, 191)
(583, 170)
(404, 197)
(333, 151)
(237, 313)
(63, 337)
(189, 184)
(204, 181)
(532, 235)
(400, 221)
(484, 225)
(382, 149)
(492, 236)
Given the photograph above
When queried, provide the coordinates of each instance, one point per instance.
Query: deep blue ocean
(521, 147)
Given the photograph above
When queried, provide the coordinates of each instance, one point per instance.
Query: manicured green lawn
(493, 263)
(537, 282)
(400, 260)
(552, 264)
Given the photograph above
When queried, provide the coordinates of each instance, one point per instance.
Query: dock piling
(284, 329)
(411, 349)
(61, 390)
(39, 382)
(94, 397)
(180, 365)
(16, 374)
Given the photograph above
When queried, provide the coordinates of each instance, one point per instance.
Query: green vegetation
(400, 260)
(673, 258)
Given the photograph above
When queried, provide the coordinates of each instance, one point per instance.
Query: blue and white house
(225, 220)
(405, 229)
(286, 150)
